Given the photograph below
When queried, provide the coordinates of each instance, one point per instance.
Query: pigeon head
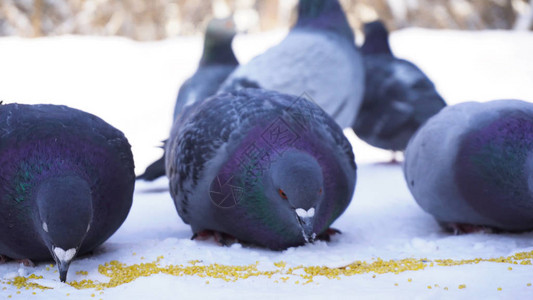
(217, 44)
(376, 39)
(222, 30)
(325, 15)
(64, 207)
(295, 184)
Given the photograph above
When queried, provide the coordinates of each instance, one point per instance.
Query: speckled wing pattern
(232, 118)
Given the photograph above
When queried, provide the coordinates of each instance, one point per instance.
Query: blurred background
(146, 20)
(124, 60)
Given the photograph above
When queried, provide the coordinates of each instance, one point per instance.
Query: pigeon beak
(306, 220)
(63, 259)
(63, 269)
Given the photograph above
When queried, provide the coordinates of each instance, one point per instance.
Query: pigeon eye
(282, 194)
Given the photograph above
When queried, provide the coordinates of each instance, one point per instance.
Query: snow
(133, 86)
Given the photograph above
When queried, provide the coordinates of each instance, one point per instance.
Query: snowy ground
(133, 86)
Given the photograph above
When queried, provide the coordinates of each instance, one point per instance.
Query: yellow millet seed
(499, 289)
(429, 287)
(409, 279)
(510, 268)
(462, 286)
(445, 288)
(529, 284)
(119, 273)
(396, 284)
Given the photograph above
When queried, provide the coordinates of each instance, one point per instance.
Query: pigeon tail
(154, 171)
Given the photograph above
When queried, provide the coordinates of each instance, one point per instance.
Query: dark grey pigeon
(265, 168)
(318, 57)
(218, 61)
(398, 98)
(470, 166)
(66, 182)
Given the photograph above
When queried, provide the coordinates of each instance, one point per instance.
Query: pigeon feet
(326, 235)
(220, 238)
(394, 161)
(461, 228)
(26, 262)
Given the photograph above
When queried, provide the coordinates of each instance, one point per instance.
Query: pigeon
(66, 182)
(265, 168)
(217, 63)
(469, 166)
(398, 96)
(318, 58)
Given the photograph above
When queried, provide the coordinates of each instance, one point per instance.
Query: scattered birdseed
(499, 289)
(120, 273)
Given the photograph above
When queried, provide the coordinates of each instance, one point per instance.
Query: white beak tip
(302, 213)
